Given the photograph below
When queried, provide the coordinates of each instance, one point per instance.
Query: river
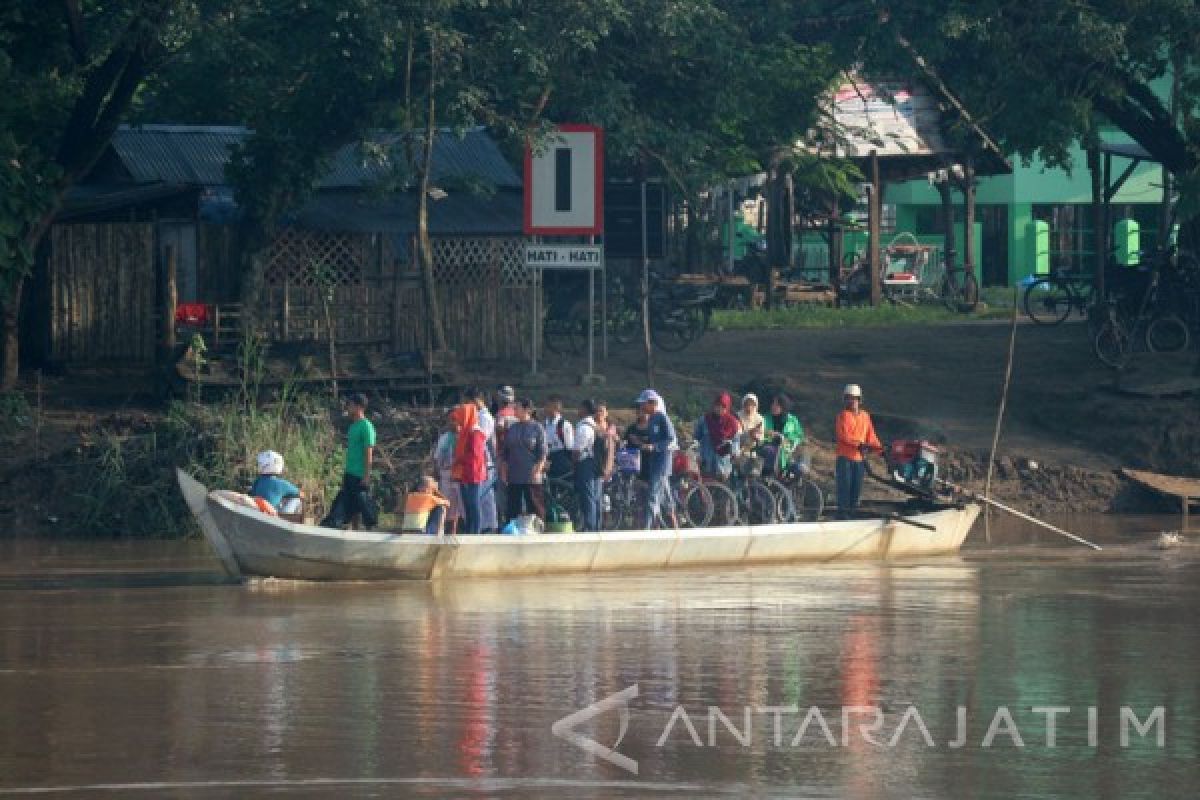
(131, 670)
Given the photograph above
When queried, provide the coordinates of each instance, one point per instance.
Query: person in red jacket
(855, 435)
(470, 463)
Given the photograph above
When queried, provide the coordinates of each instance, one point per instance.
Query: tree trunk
(12, 352)
(647, 348)
(433, 309)
(787, 218)
(693, 248)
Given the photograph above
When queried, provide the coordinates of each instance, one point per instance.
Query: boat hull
(265, 546)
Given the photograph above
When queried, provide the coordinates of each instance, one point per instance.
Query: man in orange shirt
(855, 435)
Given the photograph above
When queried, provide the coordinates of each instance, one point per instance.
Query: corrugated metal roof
(459, 213)
(191, 154)
(197, 155)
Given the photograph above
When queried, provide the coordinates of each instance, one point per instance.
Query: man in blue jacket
(656, 458)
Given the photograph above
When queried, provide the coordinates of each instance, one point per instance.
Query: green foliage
(131, 491)
(15, 414)
(815, 316)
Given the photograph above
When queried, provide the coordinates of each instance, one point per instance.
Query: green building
(1008, 206)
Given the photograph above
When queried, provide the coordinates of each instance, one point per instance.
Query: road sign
(564, 183)
(564, 256)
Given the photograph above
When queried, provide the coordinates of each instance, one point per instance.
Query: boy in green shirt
(354, 500)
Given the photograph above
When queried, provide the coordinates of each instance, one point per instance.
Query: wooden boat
(251, 543)
(1185, 490)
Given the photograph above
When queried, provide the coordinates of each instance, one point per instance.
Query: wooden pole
(874, 211)
(1018, 514)
(1008, 370)
(646, 347)
(1100, 256)
(170, 301)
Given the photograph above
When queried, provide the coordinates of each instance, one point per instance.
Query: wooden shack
(158, 203)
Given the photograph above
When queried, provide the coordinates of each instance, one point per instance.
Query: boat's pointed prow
(196, 496)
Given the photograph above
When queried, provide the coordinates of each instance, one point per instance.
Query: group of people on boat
(493, 459)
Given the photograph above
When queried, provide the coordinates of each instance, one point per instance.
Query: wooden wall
(102, 287)
(483, 292)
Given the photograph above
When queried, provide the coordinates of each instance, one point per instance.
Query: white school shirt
(553, 440)
(585, 438)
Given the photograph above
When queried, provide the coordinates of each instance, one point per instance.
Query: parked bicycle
(1049, 300)
(1141, 310)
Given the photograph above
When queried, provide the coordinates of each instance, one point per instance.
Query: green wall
(1029, 185)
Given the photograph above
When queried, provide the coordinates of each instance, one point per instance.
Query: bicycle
(756, 503)
(1049, 300)
(958, 290)
(807, 499)
(1120, 327)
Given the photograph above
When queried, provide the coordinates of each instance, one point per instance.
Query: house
(158, 204)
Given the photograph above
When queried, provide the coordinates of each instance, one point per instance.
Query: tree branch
(75, 30)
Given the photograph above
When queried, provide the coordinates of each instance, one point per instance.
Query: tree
(69, 71)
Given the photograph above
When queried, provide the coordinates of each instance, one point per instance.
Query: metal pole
(603, 305)
(536, 321)
(591, 322)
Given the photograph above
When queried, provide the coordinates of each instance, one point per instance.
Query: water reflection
(451, 689)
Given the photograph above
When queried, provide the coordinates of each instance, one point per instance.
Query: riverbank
(96, 456)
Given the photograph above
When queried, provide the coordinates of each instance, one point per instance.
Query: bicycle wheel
(675, 331)
(956, 297)
(760, 504)
(808, 500)
(1048, 302)
(695, 504)
(1111, 344)
(725, 505)
(785, 507)
(1167, 333)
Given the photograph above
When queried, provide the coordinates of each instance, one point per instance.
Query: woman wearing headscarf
(470, 463)
(751, 422)
(783, 433)
(717, 432)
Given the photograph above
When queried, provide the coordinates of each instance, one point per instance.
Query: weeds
(15, 414)
(130, 479)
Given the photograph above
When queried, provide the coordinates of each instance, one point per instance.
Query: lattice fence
(299, 256)
(467, 261)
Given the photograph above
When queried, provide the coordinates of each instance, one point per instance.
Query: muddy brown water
(131, 670)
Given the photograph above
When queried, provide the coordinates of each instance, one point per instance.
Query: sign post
(564, 197)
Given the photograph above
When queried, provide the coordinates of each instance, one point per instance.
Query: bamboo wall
(377, 299)
(102, 293)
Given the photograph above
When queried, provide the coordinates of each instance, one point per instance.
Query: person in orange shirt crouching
(855, 434)
(425, 509)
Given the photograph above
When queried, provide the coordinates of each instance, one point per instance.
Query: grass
(15, 414)
(815, 316)
(130, 491)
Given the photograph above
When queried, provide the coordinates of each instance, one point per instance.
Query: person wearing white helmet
(855, 434)
(284, 496)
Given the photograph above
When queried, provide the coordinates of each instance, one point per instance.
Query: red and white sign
(564, 183)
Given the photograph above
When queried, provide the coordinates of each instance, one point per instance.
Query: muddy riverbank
(1067, 432)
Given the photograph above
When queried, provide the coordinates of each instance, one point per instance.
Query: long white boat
(249, 542)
